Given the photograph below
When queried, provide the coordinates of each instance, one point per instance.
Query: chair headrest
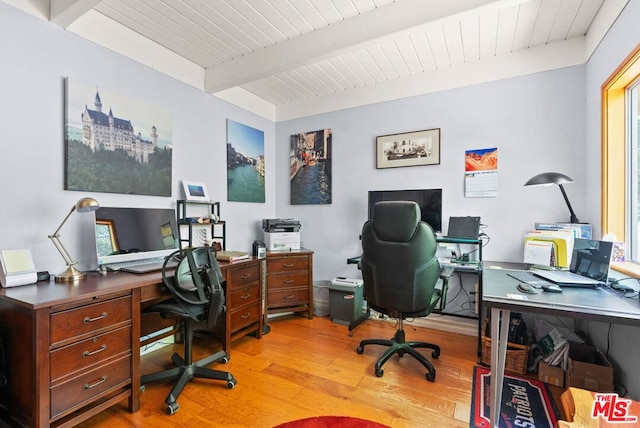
(395, 221)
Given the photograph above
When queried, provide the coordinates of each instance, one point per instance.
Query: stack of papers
(231, 256)
(549, 248)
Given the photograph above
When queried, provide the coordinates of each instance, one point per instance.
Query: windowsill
(628, 268)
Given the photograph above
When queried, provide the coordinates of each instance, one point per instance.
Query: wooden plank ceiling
(292, 52)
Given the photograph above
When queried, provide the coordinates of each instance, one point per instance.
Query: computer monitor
(430, 201)
(130, 234)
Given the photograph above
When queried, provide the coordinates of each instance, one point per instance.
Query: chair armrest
(445, 274)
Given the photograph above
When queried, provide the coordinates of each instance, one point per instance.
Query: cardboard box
(551, 374)
(282, 241)
(588, 369)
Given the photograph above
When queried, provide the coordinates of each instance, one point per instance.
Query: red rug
(331, 422)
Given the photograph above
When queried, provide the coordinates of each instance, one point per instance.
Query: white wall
(536, 122)
(622, 38)
(36, 57)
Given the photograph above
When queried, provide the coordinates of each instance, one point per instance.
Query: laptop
(463, 227)
(590, 263)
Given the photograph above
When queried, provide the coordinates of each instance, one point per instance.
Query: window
(621, 158)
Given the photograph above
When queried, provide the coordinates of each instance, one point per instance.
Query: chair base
(185, 372)
(398, 346)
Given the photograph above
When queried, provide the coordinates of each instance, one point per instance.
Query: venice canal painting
(310, 167)
(245, 163)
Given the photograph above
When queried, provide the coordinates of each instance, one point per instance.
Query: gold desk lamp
(72, 274)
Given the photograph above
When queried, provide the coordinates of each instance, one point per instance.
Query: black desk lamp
(549, 179)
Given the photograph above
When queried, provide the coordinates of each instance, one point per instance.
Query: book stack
(231, 256)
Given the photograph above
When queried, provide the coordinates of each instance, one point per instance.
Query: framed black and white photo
(408, 149)
(194, 191)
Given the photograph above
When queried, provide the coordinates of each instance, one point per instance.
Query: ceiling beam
(65, 12)
(333, 40)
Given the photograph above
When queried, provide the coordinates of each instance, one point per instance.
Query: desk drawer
(287, 264)
(86, 387)
(89, 352)
(288, 297)
(286, 281)
(87, 319)
(243, 296)
(245, 316)
(244, 275)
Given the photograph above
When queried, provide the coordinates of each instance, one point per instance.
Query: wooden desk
(500, 294)
(73, 350)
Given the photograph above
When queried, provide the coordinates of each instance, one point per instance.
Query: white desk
(500, 294)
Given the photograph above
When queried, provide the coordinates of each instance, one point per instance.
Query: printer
(281, 234)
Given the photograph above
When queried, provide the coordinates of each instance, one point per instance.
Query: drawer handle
(90, 353)
(287, 281)
(244, 317)
(245, 276)
(246, 296)
(96, 383)
(288, 265)
(87, 320)
(290, 296)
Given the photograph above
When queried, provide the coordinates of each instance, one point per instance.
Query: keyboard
(142, 266)
(528, 278)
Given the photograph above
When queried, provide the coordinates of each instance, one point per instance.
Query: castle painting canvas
(114, 144)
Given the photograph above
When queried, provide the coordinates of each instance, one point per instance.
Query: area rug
(331, 422)
(525, 402)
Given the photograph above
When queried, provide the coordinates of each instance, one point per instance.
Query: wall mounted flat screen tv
(430, 201)
(130, 234)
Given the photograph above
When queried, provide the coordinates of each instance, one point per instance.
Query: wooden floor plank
(305, 368)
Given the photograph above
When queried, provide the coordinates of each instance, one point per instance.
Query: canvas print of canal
(310, 167)
(245, 163)
(114, 144)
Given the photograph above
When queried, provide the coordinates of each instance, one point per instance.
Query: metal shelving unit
(187, 214)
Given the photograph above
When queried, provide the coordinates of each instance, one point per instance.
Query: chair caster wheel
(225, 360)
(360, 350)
(431, 377)
(232, 383)
(379, 372)
(142, 388)
(172, 408)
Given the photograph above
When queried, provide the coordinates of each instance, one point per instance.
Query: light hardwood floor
(305, 368)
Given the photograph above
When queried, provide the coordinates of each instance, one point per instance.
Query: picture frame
(195, 191)
(408, 149)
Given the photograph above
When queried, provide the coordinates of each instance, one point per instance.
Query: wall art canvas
(245, 163)
(408, 149)
(310, 167)
(115, 144)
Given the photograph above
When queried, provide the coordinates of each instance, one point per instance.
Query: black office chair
(198, 297)
(400, 271)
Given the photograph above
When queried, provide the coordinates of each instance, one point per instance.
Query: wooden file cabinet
(290, 282)
(243, 299)
(81, 359)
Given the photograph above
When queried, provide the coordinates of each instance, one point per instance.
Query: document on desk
(539, 253)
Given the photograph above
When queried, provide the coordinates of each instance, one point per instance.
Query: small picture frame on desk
(194, 191)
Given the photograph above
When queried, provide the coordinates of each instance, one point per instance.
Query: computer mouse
(552, 287)
(526, 288)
